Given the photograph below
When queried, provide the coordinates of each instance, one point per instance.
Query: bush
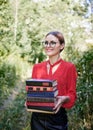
(15, 117)
(82, 113)
(7, 79)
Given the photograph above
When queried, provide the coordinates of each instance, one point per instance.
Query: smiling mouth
(48, 50)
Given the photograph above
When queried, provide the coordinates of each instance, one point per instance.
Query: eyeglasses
(49, 44)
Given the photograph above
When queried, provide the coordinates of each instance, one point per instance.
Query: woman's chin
(49, 54)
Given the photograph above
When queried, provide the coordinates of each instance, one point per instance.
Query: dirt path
(15, 91)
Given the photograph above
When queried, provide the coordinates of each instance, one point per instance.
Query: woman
(65, 74)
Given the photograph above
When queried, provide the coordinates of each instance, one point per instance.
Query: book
(41, 82)
(40, 88)
(40, 109)
(51, 104)
(39, 99)
(42, 94)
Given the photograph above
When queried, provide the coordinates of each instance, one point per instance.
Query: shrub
(82, 113)
(7, 79)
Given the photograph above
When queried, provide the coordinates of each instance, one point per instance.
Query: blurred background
(23, 25)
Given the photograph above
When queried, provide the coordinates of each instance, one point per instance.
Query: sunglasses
(49, 44)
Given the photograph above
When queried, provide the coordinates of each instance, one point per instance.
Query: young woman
(65, 74)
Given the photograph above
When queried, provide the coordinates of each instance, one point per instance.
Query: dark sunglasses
(49, 44)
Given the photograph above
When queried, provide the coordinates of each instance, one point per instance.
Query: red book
(39, 88)
(40, 104)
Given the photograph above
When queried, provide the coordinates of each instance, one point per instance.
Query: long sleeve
(71, 87)
(66, 75)
(34, 72)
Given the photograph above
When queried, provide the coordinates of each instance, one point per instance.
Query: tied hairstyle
(59, 36)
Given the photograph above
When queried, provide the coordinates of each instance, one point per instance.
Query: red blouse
(65, 75)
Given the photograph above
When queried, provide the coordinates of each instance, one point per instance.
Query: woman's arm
(61, 100)
(68, 99)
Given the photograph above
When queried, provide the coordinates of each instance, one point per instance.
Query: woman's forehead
(51, 37)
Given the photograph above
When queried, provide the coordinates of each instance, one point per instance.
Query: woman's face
(52, 46)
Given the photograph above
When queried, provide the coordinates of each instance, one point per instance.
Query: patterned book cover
(41, 82)
(40, 88)
(39, 99)
(42, 94)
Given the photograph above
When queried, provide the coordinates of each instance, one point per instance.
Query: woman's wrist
(64, 99)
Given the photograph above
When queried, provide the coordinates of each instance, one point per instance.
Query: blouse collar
(56, 63)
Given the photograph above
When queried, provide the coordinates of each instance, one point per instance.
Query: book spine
(43, 108)
(41, 83)
(42, 94)
(40, 104)
(38, 99)
(40, 88)
(40, 111)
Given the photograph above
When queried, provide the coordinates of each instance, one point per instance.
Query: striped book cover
(42, 94)
(39, 99)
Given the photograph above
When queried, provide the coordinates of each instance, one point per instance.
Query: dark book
(40, 88)
(42, 94)
(39, 99)
(41, 82)
(40, 109)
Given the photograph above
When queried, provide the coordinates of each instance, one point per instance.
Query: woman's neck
(54, 59)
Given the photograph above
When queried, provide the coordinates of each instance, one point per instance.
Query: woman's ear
(62, 47)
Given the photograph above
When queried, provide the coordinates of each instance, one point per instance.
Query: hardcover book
(40, 88)
(39, 99)
(51, 104)
(40, 109)
(41, 82)
(41, 95)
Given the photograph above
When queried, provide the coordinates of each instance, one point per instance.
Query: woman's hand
(60, 101)
(25, 104)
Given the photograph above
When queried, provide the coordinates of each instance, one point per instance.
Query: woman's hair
(58, 35)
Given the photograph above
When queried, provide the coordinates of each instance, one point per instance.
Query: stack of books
(41, 95)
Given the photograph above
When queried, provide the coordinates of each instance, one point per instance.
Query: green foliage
(32, 51)
(85, 82)
(5, 20)
(6, 33)
(7, 79)
(83, 111)
(3, 52)
(23, 25)
(14, 117)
